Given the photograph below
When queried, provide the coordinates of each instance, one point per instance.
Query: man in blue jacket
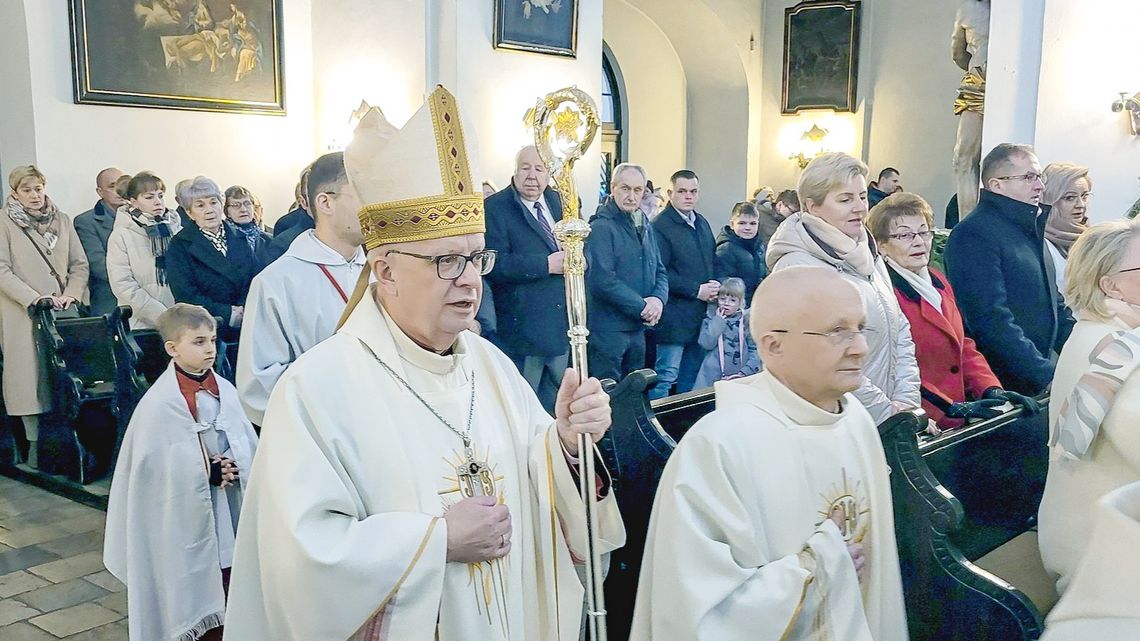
(688, 251)
(1003, 278)
(626, 280)
(527, 281)
(94, 229)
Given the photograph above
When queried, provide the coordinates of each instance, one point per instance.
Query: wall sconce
(341, 140)
(1132, 106)
(811, 145)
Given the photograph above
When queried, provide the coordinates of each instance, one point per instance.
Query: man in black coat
(1003, 278)
(626, 280)
(94, 228)
(688, 251)
(888, 183)
(739, 251)
(527, 281)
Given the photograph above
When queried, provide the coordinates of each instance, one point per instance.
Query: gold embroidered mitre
(415, 182)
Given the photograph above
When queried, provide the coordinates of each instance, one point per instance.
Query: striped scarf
(1111, 362)
(45, 222)
(217, 238)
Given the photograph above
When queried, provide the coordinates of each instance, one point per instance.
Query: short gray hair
(827, 172)
(1097, 253)
(1059, 177)
(199, 187)
(627, 166)
(999, 159)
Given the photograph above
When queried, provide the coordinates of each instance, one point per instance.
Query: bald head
(105, 187)
(532, 176)
(807, 324)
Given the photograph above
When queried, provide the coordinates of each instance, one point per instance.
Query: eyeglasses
(908, 236)
(836, 336)
(1027, 177)
(452, 266)
(1072, 198)
(241, 204)
(1130, 269)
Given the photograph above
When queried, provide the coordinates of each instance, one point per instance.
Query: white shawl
(161, 539)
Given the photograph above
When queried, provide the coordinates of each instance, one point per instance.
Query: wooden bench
(91, 363)
(948, 596)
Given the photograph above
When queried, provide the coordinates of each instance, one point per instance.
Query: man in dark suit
(94, 228)
(688, 251)
(626, 282)
(527, 281)
(1004, 280)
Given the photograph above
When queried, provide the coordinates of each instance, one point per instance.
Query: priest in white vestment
(295, 302)
(412, 487)
(773, 519)
(1102, 601)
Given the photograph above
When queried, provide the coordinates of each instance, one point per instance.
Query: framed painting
(205, 55)
(821, 55)
(541, 26)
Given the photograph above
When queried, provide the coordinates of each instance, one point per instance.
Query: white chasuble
(342, 533)
(169, 532)
(741, 544)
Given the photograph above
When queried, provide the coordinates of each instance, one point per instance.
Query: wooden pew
(948, 597)
(91, 363)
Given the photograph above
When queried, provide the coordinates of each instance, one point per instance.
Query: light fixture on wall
(1130, 104)
(341, 140)
(812, 143)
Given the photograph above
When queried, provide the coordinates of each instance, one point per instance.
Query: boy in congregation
(176, 494)
(724, 333)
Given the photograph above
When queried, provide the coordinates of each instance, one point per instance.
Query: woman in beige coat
(1094, 408)
(40, 259)
(136, 250)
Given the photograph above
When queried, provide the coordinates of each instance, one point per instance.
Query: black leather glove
(981, 409)
(1028, 404)
(216, 473)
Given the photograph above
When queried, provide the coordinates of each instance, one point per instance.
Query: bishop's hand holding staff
(409, 484)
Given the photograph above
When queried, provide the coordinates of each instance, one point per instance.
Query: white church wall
(1088, 57)
(654, 90)
(73, 142)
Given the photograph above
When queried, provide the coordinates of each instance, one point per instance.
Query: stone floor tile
(19, 582)
(116, 601)
(32, 503)
(70, 568)
(61, 595)
(76, 619)
(25, 632)
(94, 521)
(76, 543)
(23, 558)
(49, 516)
(116, 631)
(106, 580)
(24, 536)
(12, 611)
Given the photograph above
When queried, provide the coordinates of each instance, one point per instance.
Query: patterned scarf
(217, 238)
(857, 254)
(158, 230)
(1111, 362)
(252, 234)
(1063, 231)
(44, 222)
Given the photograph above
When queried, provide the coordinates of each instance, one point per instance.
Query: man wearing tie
(527, 281)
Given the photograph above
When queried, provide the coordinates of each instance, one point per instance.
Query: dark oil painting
(821, 55)
(212, 55)
(541, 26)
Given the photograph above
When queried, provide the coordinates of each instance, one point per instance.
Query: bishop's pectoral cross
(474, 478)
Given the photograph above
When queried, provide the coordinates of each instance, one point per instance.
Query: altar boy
(176, 494)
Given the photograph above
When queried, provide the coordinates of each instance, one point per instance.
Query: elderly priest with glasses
(409, 484)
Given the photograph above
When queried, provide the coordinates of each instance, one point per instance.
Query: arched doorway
(613, 115)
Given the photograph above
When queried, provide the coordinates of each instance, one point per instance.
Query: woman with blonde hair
(1068, 190)
(41, 259)
(829, 231)
(1094, 408)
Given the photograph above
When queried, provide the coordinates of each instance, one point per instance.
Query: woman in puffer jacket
(830, 232)
(136, 250)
